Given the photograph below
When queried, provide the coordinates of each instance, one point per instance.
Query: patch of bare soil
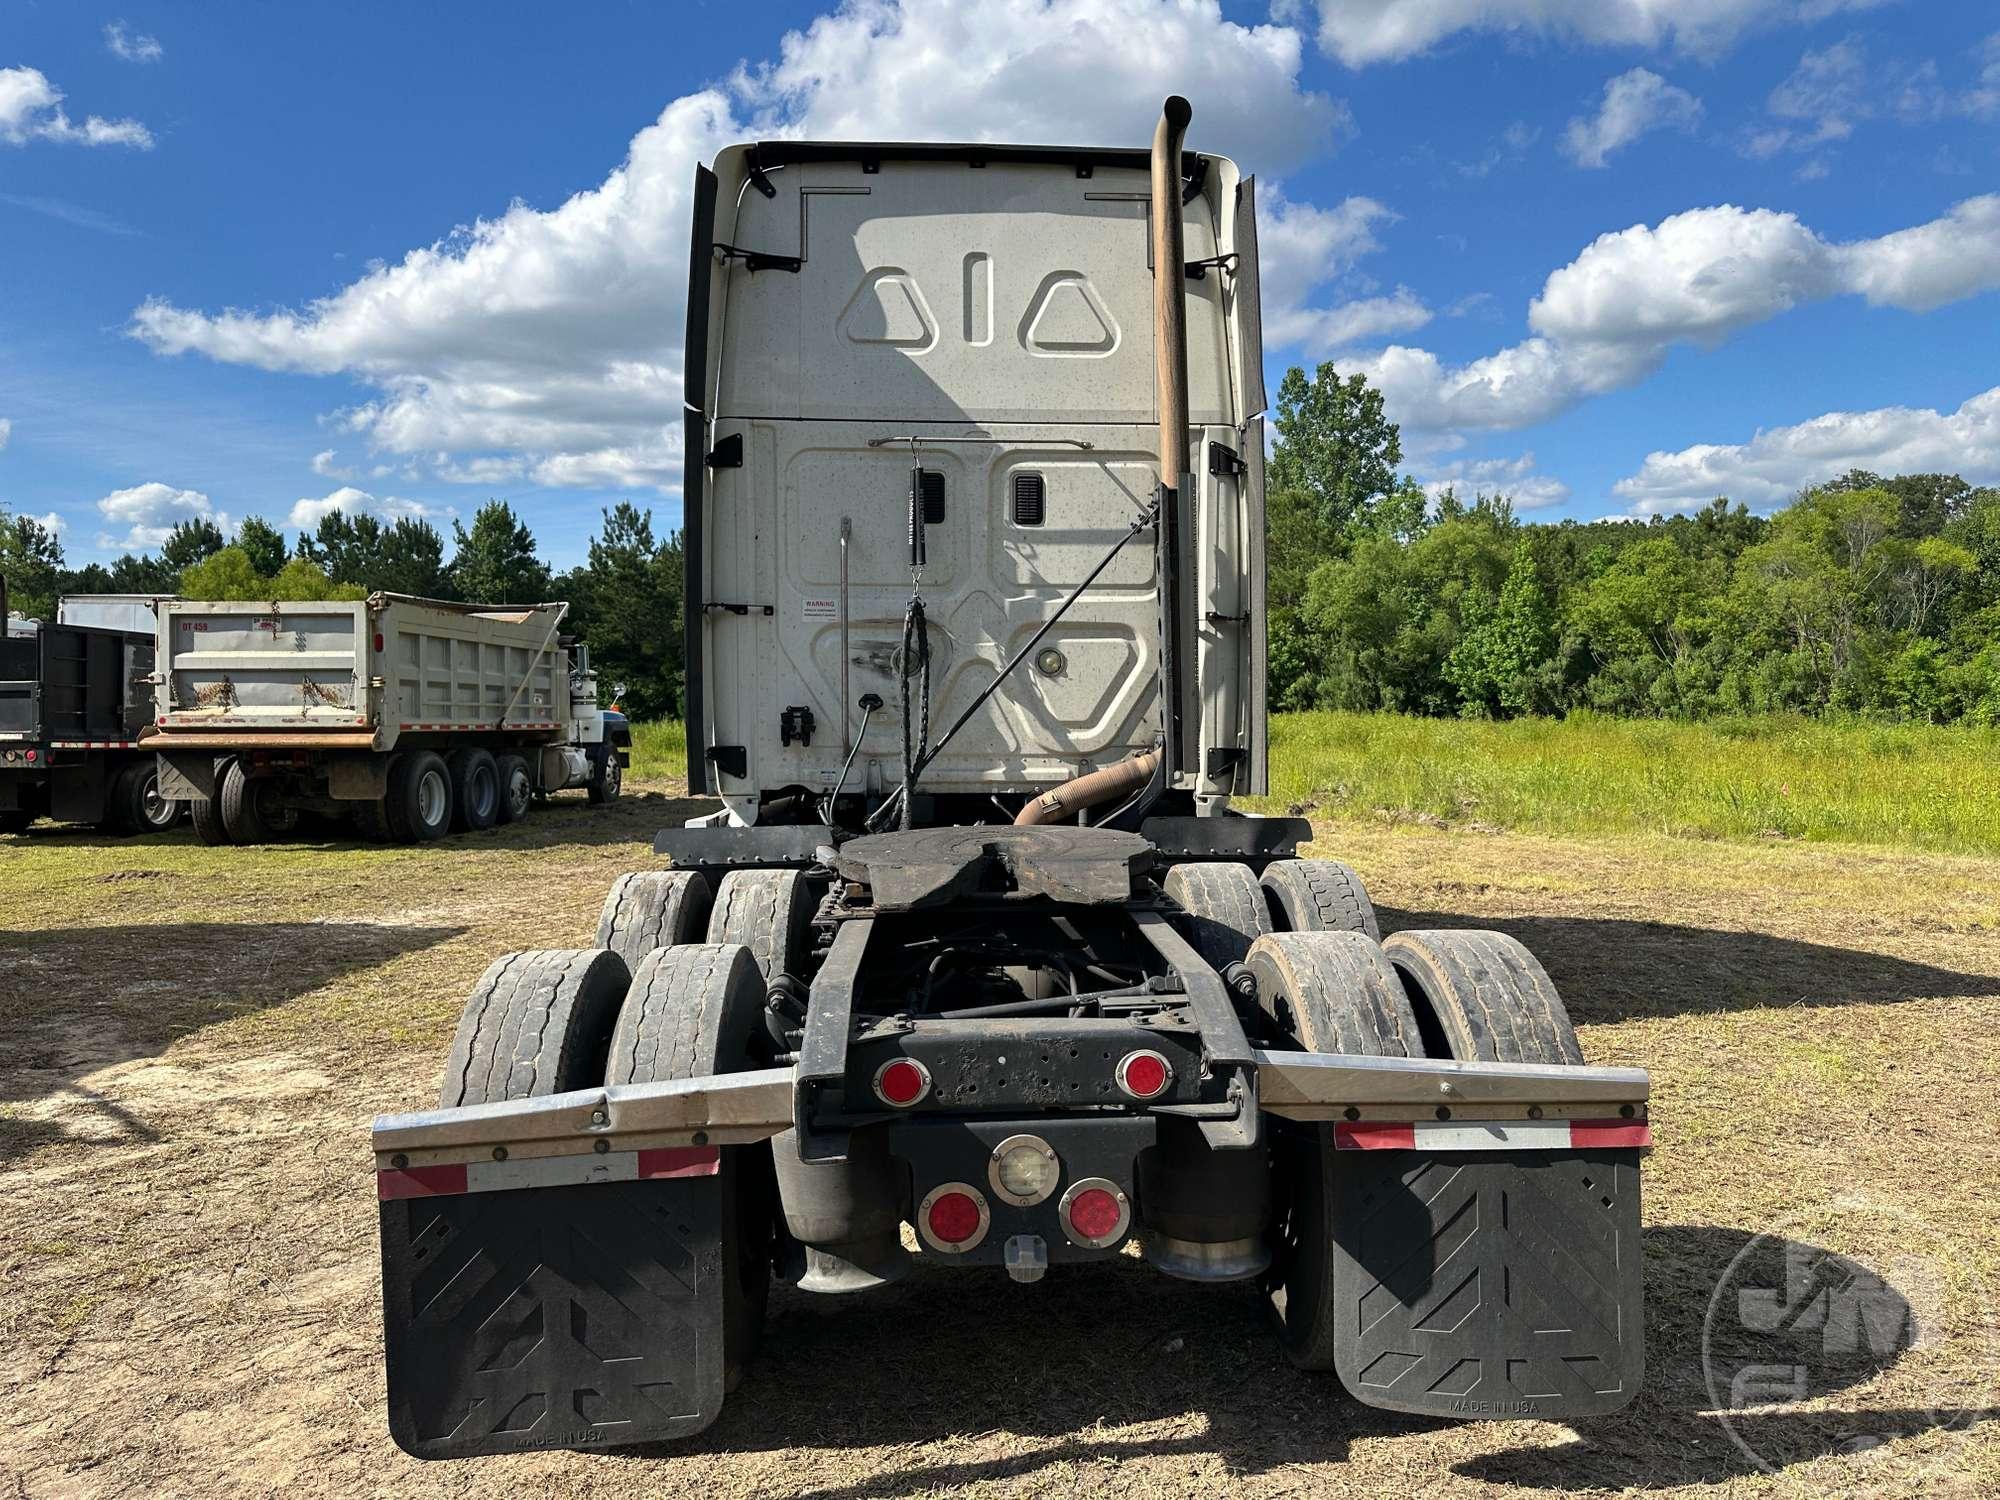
(188, 1298)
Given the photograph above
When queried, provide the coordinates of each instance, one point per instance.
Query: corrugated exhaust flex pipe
(1108, 785)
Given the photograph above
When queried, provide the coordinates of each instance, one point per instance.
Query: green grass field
(1893, 785)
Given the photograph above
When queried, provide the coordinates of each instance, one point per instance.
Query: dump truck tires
(607, 778)
(1318, 895)
(420, 800)
(135, 804)
(517, 788)
(1328, 992)
(654, 909)
(694, 1011)
(252, 808)
(1225, 909)
(206, 815)
(475, 790)
(768, 912)
(1488, 997)
(537, 1023)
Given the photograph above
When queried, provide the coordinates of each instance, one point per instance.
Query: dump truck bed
(378, 667)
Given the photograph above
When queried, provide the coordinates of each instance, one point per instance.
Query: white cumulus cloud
(31, 110)
(305, 514)
(1302, 248)
(149, 512)
(1775, 464)
(1359, 32)
(127, 46)
(323, 465)
(1515, 478)
(1634, 103)
(551, 338)
(1608, 318)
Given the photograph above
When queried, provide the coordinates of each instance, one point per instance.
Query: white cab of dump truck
(983, 315)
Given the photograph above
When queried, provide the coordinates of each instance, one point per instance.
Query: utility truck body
(977, 965)
(419, 715)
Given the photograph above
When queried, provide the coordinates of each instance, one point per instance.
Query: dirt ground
(196, 1039)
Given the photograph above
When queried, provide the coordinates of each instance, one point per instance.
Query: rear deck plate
(1495, 1285)
(567, 1317)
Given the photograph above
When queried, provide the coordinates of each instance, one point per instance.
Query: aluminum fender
(722, 1110)
(1320, 1086)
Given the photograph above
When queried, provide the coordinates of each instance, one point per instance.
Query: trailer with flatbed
(74, 703)
(415, 717)
(978, 966)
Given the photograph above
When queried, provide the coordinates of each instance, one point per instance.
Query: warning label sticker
(819, 609)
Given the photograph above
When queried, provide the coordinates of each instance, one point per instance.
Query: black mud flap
(553, 1317)
(1502, 1284)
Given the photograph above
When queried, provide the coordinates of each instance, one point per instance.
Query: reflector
(1093, 1213)
(1144, 1075)
(954, 1218)
(902, 1082)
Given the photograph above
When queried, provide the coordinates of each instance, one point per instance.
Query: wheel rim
(156, 810)
(519, 793)
(432, 798)
(614, 775)
(484, 794)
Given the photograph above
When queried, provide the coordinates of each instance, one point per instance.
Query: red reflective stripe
(681, 1161)
(421, 1182)
(1380, 1137)
(1610, 1133)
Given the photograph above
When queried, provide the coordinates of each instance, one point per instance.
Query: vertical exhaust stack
(1169, 301)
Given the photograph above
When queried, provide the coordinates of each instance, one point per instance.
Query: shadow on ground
(1611, 969)
(78, 999)
(945, 1354)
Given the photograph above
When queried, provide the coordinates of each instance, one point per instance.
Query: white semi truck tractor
(978, 966)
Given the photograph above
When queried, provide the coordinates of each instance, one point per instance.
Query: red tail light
(378, 640)
(953, 1217)
(1144, 1074)
(1096, 1212)
(902, 1081)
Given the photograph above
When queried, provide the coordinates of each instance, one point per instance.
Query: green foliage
(404, 558)
(263, 543)
(31, 560)
(495, 562)
(1335, 445)
(188, 543)
(232, 573)
(626, 602)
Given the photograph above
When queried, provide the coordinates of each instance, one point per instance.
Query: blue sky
(1611, 256)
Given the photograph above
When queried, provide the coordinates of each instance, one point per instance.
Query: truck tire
(206, 815)
(1225, 909)
(517, 788)
(133, 803)
(1327, 992)
(768, 912)
(252, 807)
(654, 909)
(1487, 997)
(420, 801)
(475, 790)
(691, 1012)
(371, 821)
(538, 1022)
(607, 778)
(1318, 895)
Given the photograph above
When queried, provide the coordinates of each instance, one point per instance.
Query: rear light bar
(1095, 1212)
(953, 1218)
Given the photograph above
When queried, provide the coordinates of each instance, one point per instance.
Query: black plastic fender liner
(1489, 1284)
(581, 1316)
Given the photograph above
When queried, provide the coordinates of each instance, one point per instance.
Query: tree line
(625, 599)
(1865, 594)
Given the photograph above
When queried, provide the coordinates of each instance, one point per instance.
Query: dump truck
(415, 717)
(978, 965)
(74, 701)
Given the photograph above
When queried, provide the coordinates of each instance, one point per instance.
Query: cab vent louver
(1030, 505)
